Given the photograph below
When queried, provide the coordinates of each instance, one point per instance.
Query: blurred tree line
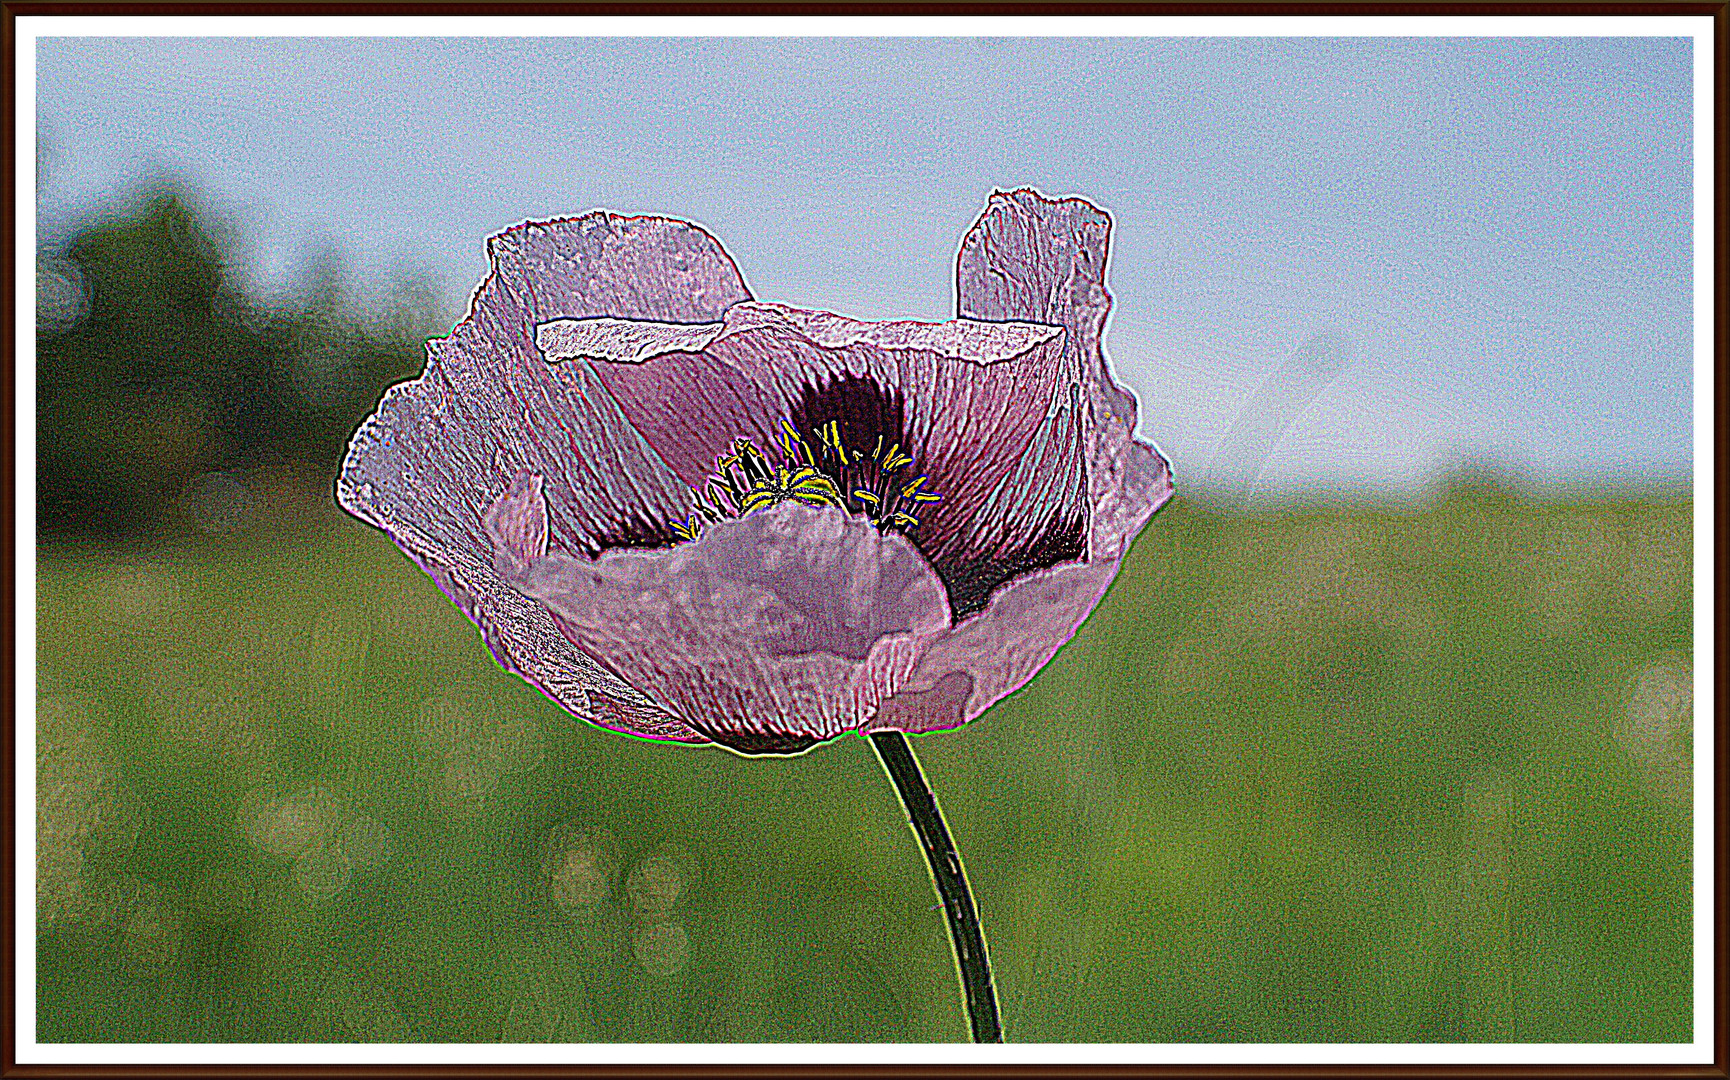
(156, 370)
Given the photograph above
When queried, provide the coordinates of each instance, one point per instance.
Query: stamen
(747, 479)
(689, 529)
(833, 439)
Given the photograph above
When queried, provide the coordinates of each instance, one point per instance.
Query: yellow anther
(824, 490)
(755, 458)
(747, 479)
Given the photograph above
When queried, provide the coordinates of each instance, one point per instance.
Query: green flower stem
(950, 880)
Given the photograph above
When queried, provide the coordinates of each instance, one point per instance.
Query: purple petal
(966, 670)
(1040, 260)
(982, 386)
(603, 265)
(517, 524)
(1034, 259)
(989, 412)
(770, 633)
(441, 449)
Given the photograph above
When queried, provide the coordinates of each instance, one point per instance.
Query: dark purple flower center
(847, 442)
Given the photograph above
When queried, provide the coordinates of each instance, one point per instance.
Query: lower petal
(771, 633)
(986, 658)
(526, 641)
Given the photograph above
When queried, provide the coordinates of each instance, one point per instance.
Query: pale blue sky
(1498, 230)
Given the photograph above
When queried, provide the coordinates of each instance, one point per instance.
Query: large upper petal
(443, 448)
(1041, 260)
(1034, 259)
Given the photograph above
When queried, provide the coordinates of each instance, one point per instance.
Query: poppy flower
(689, 515)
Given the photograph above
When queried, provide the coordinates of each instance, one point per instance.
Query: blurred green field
(1341, 775)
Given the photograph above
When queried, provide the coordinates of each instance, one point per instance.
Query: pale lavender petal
(441, 450)
(605, 265)
(771, 633)
(517, 524)
(1035, 259)
(526, 641)
(985, 658)
(990, 411)
(965, 385)
(1128, 480)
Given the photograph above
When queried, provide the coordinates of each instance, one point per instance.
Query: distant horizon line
(1466, 480)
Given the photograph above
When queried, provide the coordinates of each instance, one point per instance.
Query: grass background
(1346, 774)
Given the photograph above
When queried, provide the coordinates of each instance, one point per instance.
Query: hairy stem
(950, 880)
